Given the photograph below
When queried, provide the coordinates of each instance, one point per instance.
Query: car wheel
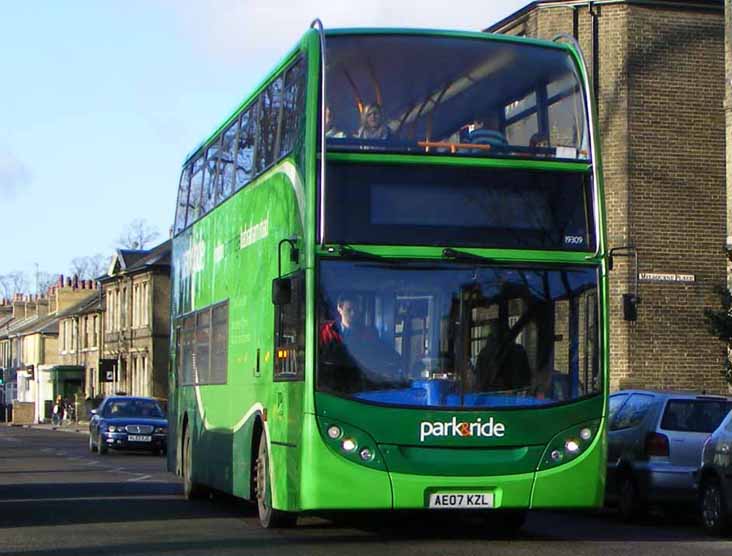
(102, 447)
(269, 518)
(191, 489)
(630, 504)
(713, 508)
(92, 448)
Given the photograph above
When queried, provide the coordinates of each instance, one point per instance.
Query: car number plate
(465, 500)
(139, 438)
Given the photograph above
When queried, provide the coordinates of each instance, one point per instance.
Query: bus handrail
(453, 147)
(318, 25)
(593, 147)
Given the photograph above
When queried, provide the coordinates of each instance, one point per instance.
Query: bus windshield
(455, 335)
(453, 96)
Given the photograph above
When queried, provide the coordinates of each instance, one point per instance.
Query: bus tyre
(269, 518)
(630, 505)
(191, 490)
(713, 508)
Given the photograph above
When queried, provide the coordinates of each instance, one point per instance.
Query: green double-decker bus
(389, 284)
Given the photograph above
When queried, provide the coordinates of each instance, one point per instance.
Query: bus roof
(481, 35)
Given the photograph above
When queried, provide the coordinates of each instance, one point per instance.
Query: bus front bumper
(331, 482)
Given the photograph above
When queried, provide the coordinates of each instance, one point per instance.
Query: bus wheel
(191, 490)
(269, 518)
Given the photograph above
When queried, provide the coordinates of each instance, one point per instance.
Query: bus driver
(354, 347)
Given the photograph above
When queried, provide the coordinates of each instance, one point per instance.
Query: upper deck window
(453, 96)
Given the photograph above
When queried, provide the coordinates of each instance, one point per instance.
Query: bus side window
(209, 180)
(269, 119)
(245, 148)
(227, 159)
(293, 107)
(289, 362)
(180, 214)
(194, 197)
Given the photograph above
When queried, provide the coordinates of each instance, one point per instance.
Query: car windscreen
(695, 415)
(133, 408)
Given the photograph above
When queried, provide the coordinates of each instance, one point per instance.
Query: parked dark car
(655, 442)
(126, 422)
(715, 480)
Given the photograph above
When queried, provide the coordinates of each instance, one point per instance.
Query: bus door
(285, 410)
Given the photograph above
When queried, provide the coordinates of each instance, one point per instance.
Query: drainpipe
(594, 49)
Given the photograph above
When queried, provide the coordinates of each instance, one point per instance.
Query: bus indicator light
(366, 454)
(585, 434)
(556, 456)
(334, 432)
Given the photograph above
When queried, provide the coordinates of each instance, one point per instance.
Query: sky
(102, 100)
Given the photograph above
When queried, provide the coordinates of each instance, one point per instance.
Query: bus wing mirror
(281, 291)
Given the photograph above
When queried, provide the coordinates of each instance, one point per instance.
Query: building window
(123, 309)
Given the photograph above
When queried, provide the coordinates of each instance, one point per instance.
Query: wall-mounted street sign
(107, 370)
(666, 278)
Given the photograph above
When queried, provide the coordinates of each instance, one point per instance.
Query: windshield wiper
(347, 251)
(450, 253)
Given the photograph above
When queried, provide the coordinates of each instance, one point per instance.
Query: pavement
(82, 427)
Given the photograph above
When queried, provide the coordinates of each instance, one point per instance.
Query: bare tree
(137, 235)
(45, 281)
(89, 267)
(98, 265)
(80, 267)
(12, 283)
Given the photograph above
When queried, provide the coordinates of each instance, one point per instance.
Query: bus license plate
(465, 500)
(139, 438)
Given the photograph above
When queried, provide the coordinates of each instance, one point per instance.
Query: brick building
(658, 71)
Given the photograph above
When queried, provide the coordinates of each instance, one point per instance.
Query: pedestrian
(58, 408)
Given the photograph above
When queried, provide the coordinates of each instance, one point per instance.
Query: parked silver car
(655, 441)
(715, 479)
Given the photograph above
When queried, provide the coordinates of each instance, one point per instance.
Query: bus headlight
(569, 444)
(351, 443)
(572, 446)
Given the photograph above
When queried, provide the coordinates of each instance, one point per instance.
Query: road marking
(143, 478)
(94, 498)
(93, 462)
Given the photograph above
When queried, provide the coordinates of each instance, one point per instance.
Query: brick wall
(661, 87)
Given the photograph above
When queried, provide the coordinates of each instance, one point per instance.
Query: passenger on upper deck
(331, 131)
(372, 123)
(483, 131)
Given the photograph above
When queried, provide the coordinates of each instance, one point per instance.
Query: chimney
(19, 306)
